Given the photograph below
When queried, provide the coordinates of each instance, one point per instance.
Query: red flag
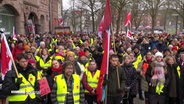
(128, 19)
(129, 34)
(6, 56)
(14, 34)
(60, 21)
(104, 28)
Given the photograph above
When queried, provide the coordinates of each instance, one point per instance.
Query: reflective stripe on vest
(178, 71)
(26, 88)
(43, 64)
(92, 80)
(62, 89)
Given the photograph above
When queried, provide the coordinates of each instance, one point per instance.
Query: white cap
(158, 54)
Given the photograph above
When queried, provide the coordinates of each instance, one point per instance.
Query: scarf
(149, 60)
(56, 71)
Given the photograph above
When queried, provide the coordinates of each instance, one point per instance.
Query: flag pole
(13, 62)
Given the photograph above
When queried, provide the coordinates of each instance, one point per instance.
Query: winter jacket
(131, 78)
(152, 89)
(172, 69)
(112, 83)
(9, 83)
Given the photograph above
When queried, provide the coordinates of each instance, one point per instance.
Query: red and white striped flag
(6, 55)
(129, 34)
(14, 34)
(104, 28)
(128, 19)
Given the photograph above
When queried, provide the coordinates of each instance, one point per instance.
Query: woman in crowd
(157, 77)
(173, 89)
(131, 76)
(147, 60)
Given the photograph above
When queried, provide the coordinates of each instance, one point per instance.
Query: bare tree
(138, 10)
(93, 6)
(179, 9)
(117, 10)
(153, 7)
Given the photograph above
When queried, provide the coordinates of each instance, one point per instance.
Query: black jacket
(131, 78)
(9, 83)
(169, 70)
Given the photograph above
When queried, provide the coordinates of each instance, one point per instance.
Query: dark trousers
(139, 88)
(90, 98)
(172, 100)
(114, 99)
(157, 99)
(129, 100)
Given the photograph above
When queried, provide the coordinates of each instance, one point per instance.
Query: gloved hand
(19, 81)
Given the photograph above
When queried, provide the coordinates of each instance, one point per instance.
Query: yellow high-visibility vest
(62, 89)
(92, 80)
(178, 71)
(59, 58)
(43, 64)
(137, 61)
(39, 74)
(26, 89)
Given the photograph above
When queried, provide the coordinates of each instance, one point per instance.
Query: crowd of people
(149, 66)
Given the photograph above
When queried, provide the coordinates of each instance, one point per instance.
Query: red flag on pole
(104, 28)
(6, 62)
(128, 19)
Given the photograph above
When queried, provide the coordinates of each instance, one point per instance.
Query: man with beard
(67, 88)
(25, 84)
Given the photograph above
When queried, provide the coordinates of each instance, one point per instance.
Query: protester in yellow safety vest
(79, 67)
(67, 87)
(137, 66)
(90, 82)
(43, 61)
(42, 46)
(173, 88)
(88, 54)
(21, 89)
(60, 55)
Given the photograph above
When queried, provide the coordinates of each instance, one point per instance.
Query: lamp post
(176, 15)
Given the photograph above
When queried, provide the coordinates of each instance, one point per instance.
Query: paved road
(138, 101)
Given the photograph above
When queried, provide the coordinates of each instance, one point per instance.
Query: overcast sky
(66, 4)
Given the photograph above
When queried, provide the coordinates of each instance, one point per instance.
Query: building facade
(21, 14)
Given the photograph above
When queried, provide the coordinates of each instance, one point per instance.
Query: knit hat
(81, 53)
(158, 54)
(174, 48)
(27, 47)
(70, 53)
